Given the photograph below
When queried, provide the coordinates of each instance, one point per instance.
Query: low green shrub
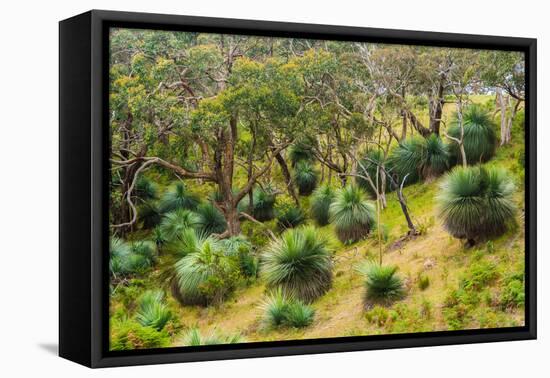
(423, 281)
(479, 275)
(513, 294)
(380, 316)
(128, 334)
(240, 248)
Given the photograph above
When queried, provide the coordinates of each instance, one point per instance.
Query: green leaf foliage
(281, 310)
(209, 219)
(175, 222)
(477, 202)
(195, 338)
(290, 217)
(300, 262)
(205, 274)
(479, 135)
(382, 282)
(129, 335)
(352, 214)
(178, 197)
(305, 177)
(321, 199)
(152, 311)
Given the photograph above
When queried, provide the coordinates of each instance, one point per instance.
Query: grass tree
(299, 262)
(150, 214)
(290, 217)
(408, 158)
(176, 221)
(477, 202)
(152, 311)
(320, 203)
(479, 138)
(194, 337)
(209, 219)
(146, 189)
(204, 275)
(420, 158)
(437, 158)
(352, 214)
(178, 197)
(263, 207)
(130, 258)
(305, 177)
(300, 151)
(382, 284)
(281, 310)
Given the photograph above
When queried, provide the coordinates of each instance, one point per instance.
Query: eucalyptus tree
(211, 94)
(504, 71)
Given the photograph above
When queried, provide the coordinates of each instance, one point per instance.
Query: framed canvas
(234, 188)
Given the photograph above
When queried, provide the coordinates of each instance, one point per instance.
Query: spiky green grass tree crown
(382, 282)
(210, 220)
(149, 214)
(320, 203)
(301, 151)
(299, 262)
(437, 157)
(290, 217)
(305, 177)
(352, 214)
(195, 338)
(205, 274)
(146, 189)
(479, 135)
(419, 158)
(152, 311)
(130, 258)
(281, 310)
(477, 202)
(178, 197)
(263, 207)
(175, 222)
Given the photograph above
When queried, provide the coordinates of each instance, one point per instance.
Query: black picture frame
(83, 181)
